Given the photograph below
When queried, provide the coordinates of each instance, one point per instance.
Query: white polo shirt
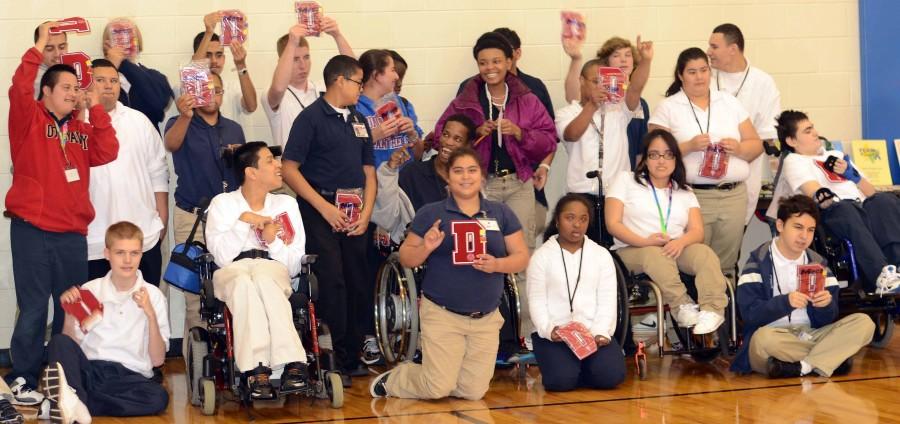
(724, 115)
(640, 214)
(584, 154)
(799, 169)
(123, 335)
(293, 102)
(124, 189)
(756, 90)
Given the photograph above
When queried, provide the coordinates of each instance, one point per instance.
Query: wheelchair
(211, 364)
(397, 291)
(841, 259)
(702, 348)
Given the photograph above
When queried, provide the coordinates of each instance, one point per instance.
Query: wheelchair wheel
(514, 306)
(196, 351)
(396, 311)
(208, 394)
(623, 320)
(335, 389)
(884, 328)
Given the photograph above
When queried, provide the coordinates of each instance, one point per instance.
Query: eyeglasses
(668, 155)
(357, 82)
(219, 92)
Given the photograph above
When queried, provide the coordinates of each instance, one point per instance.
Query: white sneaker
(371, 354)
(687, 315)
(647, 326)
(24, 395)
(65, 406)
(44, 410)
(888, 281)
(708, 322)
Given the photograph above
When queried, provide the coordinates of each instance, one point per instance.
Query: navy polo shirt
(330, 154)
(421, 183)
(199, 164)
(462, 287)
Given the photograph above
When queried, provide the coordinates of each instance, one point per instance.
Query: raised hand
(434, 237)
(645, 48)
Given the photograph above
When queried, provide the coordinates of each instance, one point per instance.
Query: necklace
(569, 292)
(738, 92)
(501, 106)
(708, 113)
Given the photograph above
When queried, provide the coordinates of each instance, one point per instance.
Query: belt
(723, 186)
(252, 254)
(189, 209)
(503, 172)
(473, 315)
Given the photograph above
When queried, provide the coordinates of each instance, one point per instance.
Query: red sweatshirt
(40, 192)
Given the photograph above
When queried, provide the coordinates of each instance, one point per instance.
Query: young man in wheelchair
(846, 199)
(790, 331)
(258, 242)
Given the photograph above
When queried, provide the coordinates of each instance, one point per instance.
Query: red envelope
(578, 338)
(286, 234)
(82, 64)
(88, 312)
(75, 24)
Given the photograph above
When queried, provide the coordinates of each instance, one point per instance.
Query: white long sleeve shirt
(594, 303)
(227, 236)
(123, 190)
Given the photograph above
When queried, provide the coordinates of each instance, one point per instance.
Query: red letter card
(810, 279)
(88, 312)
(578, 338)
(469, 241)
(76, 24)
(82, 64)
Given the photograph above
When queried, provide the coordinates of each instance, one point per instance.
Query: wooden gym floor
(678, 390)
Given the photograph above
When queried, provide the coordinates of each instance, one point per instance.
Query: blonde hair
(616, 43)
(137, 32)
(123, 230)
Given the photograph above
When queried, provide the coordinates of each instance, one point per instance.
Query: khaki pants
(256, 292)
(697, 260)
(458, 355)
(183, 222)
(825, 349)
(723, 223)
(519, 196)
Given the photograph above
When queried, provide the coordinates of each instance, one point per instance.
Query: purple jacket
(524, 109)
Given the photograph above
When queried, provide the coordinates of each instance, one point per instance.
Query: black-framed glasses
(357, 82)
(668, 155)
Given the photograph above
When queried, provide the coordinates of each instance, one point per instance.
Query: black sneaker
(260, 387)
(844, 368)
(295, 378)
(9, 414)
(780, 369)
(376, 388)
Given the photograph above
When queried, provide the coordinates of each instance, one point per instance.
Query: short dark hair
(553, 227)
(37, 31)
(593, 62)
(51, 77)
(797, 205)
(732, 34)
(786, 125)
(466, 122)
(199, 38)
(373, 61)
(642, 174)
(246, 156)
(102, 63)
(463, 152)
(492, 40)
(510, 36)
(340, 66)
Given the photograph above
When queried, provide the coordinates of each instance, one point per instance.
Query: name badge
(360, 130)
(72, 175)
(489, 224)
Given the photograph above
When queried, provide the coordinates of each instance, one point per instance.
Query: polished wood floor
(678, 390)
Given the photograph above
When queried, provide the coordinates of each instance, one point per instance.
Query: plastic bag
(350, 202)
(122, 35)
(573, 25)
(714, 164)
(615, 81)
(309, 13)
(196, 81)
(234, 27)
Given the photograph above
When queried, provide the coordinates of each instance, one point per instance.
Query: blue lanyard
(664, 224)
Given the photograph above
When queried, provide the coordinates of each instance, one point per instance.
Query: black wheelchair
(841, 257)
(397, 296)
(211, 364)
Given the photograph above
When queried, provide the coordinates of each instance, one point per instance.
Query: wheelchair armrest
(308, 259)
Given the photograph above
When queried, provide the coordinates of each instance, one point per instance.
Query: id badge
(489, 224)
(72, 174)
(360, 130)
